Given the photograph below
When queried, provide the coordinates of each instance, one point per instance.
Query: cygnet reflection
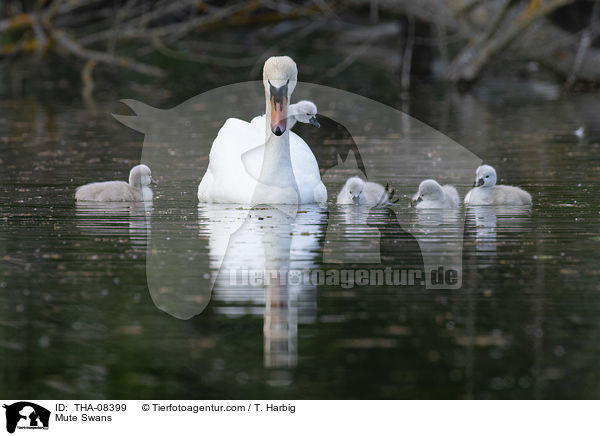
(116, 219)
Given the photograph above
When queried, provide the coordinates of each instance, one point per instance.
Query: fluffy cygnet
(137, 189)
(433, 195)
(357, 191)
(486, 192)
(304, 111)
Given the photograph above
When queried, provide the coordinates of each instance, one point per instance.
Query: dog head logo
(26, 415)
(185, 262)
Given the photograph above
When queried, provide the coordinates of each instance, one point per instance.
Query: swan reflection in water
(440, 236)
(116, 219)
(350, 238)
(260, 255)
(487, 220)
(262, 262)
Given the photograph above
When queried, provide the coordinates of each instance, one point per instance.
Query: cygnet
(433, 195)
(486, 192)
(137, 189)
(357, 191)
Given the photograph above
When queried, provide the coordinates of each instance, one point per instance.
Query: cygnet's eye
(487, 177)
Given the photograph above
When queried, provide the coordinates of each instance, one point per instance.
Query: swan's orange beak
(279, 105)
(278, 116)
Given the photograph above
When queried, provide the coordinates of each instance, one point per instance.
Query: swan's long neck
(277, 163)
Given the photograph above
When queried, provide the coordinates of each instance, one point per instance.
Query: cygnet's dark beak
(480, 182)
(356, 199)
(413, 202)
(314, 121)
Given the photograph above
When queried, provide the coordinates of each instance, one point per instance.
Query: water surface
(81, 319)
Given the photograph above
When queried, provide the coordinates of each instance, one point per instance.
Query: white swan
(283, 171)
(357, 191)
(433, 195)
(137, 189)
(487, 192)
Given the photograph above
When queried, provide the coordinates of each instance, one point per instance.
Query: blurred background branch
(463, 38)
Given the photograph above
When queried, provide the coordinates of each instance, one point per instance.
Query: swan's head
(140, 175)
(355, 186)
(429, 190)
(485, 176)
(279, 77)
(305, 111)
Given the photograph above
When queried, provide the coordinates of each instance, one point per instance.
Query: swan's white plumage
(235, 165)
(432, 195)
(488, 193)
(136, 190)
(237, 155)
(498, 195)
(357, 191)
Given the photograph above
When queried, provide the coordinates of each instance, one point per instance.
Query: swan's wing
(306, 170)
(105, 191)
(451, 194)
(375, 193)
(205, 186)
(231, 181)
(525, 196)
(252, 161)
(320, 193)
(519, 196)
(234, 138)
(254, 150)
(303, 159)
(511, 195)
(258, 120)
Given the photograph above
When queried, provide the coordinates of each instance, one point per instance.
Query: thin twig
(127, 31)
(471, 61)
(200, 57)
(87, 80)
(586, 40)
(73, 47)
(407, 56)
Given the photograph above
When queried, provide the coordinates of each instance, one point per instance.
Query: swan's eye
(487, 177)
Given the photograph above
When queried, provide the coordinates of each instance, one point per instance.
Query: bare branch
(468, 65)
(121, 61)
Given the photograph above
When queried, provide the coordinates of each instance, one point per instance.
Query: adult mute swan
(486, 192)
(433, 195)
(282, 171)
(357, 191)
(137, 189)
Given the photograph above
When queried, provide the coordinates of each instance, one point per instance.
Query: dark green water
(78, 321)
